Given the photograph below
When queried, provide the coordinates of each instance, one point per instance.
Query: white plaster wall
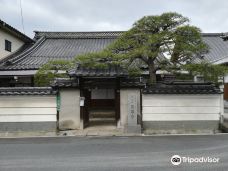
(16, 43)
(69, 115)
(181, 107)
(226, 78)
(27, 108)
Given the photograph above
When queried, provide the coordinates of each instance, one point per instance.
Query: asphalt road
(112, 153)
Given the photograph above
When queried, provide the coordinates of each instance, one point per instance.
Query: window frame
(8, 45)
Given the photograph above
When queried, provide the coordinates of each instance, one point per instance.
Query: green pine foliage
(52, 69)
(141, 47)
(168, 33)
(210, 72)
(94, 60)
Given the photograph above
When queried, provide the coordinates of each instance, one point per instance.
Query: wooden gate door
(86, 107)
(117, 104)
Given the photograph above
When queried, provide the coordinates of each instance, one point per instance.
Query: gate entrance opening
(102, 103)
(102, 107)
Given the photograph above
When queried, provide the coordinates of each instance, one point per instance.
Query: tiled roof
(14, 31)
(67, 45)
(132, 82)
(65, 82)
(26, 91)
(72, 82)
(21, 50)
(183, 88)
(58, 45)
(218, 48)
(112, 71)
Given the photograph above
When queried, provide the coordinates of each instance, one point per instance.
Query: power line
(22, 19)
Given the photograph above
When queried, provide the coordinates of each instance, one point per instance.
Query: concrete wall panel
(171, 109)
(181, 100)
(31, 101)
(69, 115)
(27, 113)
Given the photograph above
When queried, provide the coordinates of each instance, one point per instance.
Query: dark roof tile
(84, 35)
(111, 71)
(46, 49)
(26, 91)
(136, 82)
(65, 82)
(218, 48)
(182, 88)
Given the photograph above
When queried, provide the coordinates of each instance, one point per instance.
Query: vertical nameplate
(132, 109)
(58, 101)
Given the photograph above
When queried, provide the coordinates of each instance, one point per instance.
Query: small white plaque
(82, 101)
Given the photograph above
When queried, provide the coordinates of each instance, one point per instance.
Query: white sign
(82, 101)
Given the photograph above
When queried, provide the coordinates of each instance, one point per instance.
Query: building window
(8, 45)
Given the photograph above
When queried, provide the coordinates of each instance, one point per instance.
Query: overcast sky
(107, 15)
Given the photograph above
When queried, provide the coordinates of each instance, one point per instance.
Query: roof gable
(14, 32)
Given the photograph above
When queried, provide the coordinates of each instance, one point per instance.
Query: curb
(101, 136)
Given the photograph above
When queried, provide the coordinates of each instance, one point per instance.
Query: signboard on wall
(132, 109)
(82, 101)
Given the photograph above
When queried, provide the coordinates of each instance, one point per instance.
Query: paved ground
(112, 153)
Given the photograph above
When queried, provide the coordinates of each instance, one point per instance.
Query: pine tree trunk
(152, 72)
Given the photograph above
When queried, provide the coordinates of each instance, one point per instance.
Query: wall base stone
(180, 127)
(27, 126)
(133, 129)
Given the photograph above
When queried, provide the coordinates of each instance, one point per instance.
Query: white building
(11, 40)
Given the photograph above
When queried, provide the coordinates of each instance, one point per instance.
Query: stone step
(102, 114)
(102, 119)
